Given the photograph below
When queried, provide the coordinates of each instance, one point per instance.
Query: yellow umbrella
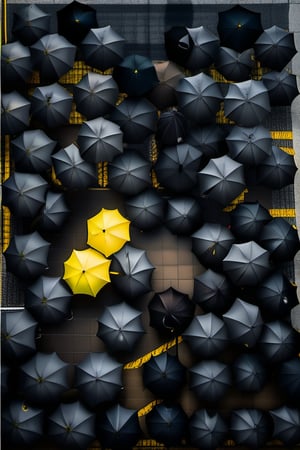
(108, 231)
(86, 271)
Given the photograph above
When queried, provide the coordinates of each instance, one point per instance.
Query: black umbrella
(48, 300)
(170, 311)
(164, 375)
(134, 271)
(167, 424)
(26, 255)
(208, 429)
(44, 378)
(286, 421)
(15, 113)
(18, 333)
(277, 170)
(282, 87)
(280, 238)
(54, 213)
(275, 47)
(204, 48)
(171, 128)
(233, 65)
(210, 380)
(6, 372)
(98, 377)
(71, 426)
(22, 425)
(30, 23)
(209, 139)
(248, 219)
(206, 335)
(249, 372)
(146, 210)
(16, 65)
(183, 215)
(163, 95)
(278, 342)
(75, 20)
(289, 380)
(239, 27)
(120, 327)
(178, 44)
(251, 427)
(118, 428)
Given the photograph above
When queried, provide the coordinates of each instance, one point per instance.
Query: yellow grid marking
(239, 199)
(288, 150)
(281, 135)
(146, 409)
(288, 212)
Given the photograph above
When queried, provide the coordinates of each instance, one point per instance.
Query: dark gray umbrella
(6, 372)
(98, 377)
(178, 44)
(48, 300)
(72, 170)
(199, 98)
(275, 47)
(210, 380)
(278, 342)
(206, 335)
(44, 378)
(18, 333)
(103, 48)
(15, 113)
(209, 139)
(251, 427)
(51, 105)
(244, 323)
(95, 95)
(99, 140)
(249, 372)
(30, 23)
(249, 145)
(282, 87)
(163, 95)
(183, 215)
(171, 128)
(54, 213)
(247, 264)
(167, 424)
(53, 56)
(277, 170)
(146, 210)
(26, 255)
(280, 238)
(24, 194)
(233, 65)
(16, 65)
(248, 219)
(32, 151)
(289, 380)
(247, 103)
(204, 48)
(286, 421)
(120, 327)
(208, 429)
(129, 173)
(71, 426)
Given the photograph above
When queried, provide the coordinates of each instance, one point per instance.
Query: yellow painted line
(5, 38)
(146, 409)
(149, 443)
(288, 150)
(281, 134)
(239, 199)
(283, 212)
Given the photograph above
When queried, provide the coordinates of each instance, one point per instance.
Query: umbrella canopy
(178, 44)
(72, 426)
(44, 378)
(164, 375)
(249, 145)
(86, 271)
(54, 212)
(277, 170)
(247, 103)
(244, 323)
(108, 231)
(239, 27)
(30, 23)
(24, 194)
(282, 87)
(5, 381)
(199, 98)
(22, 425)
(278, 342)
(26, 255)
(129, 173)
(163, 95)
(248, 219)
(32, 151)
(51, 105)
(18, 332)
(289, 380)
(135, 75)
(233, 65)
(183, 215)
(206, 335)
(208, 429)
(280, 238)
(250, 427)
(275, 47)
(15, 113)
(98, 377)
(170, 311)
(75, 20)
(48, 300)
(209, 139)
(171, 128)
(119, 428)
(16, 65)
(249, 372)
(137, 118)
(286, 421)
(120, 327)
(210, 380)
(103, 48)
(134, 271)
(247, 264)
(167, 424)
(72, 170)
(146, 210)
(204, 48)
(53, 56)
(95, 95)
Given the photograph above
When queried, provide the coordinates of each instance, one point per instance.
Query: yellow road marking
(288, 150)
(146, 409)
(281, 134)
(282, 212)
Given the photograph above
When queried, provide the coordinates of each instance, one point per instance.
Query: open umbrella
(244, 323)
(24, 194)
(210, 380)
(282, 87)
(48, 300)
(170, 311)
(249, 372)
(199, 98)
(208, 429)
(183, 215)
(204, 48)
(16, 65)
(146, 209)
(164, 375)
(75, 20)
(278, 342)
(26, 255)
(239, 27)
(178, 44)
(30, 23)
(98, 377)
(209, 139)
(251, 427)
(280, 238)
(6, 372)
(134, 271)
(289, 380)
(95, 95)
(86, 271)
(18, 333)
(286, 421)
(108, 231)
(15, 113)
(44, 378)
(171, 128)
(275, 47)
(233, 65)
(163, 95)
(54, 212)
(248, 219)
(167, 424)
(120, 327)
(247, 103)
(277, 170)
(71, 426)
